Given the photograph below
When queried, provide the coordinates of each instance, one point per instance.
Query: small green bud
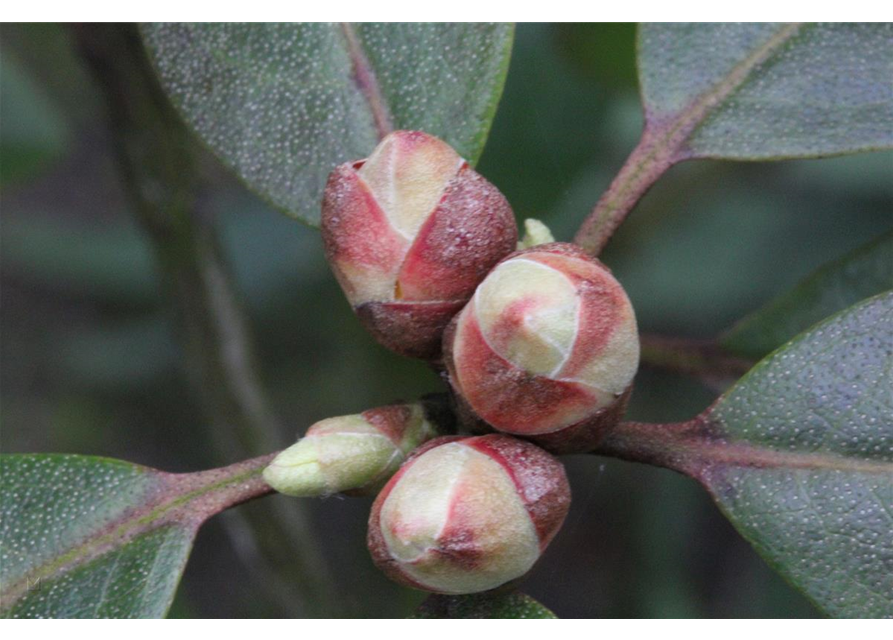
(535, 232)
(353, 454)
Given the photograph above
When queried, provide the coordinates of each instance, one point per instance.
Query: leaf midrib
(161, 511)
(678, 130)
(741, 454)
(694, 449)
(366, 81)
(663, 142)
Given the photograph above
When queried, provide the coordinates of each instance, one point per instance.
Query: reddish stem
(703, 359)
(648, 162)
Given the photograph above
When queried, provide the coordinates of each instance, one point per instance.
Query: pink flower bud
(468, 514)
(410, 232)
(547, 348)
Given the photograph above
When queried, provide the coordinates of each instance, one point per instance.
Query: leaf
(799, 456)
(604, 51)
(110, 262)
(864, 272)
(33, 133)
(764, 91)
(806, 471)
(88, 537)
(485, 605)
(282, 104)
(751, 92)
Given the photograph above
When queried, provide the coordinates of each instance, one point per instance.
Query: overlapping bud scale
(546, 349)
(409, 233)
(468, 514)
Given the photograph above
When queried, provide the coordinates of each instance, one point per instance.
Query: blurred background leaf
(502, 605)
(860, 274)
(32, 131)
(93, 369)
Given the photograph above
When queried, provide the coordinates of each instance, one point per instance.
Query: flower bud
(546, 349)
(410, 232)
(353, 454)
(535, 233)
(468, 514)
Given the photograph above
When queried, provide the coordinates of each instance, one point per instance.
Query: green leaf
(110, 261)
(767, 91)
(33, 133)
(806, 472)
(750, 91)
(87, 537)
(283, 104)
(604, 51)
(483, 605)
(865, 272)
(799, 456)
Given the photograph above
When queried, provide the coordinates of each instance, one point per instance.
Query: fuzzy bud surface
(546, 349)
(468, 514)
(409, 233)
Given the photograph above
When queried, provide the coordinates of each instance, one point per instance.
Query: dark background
(91, 362)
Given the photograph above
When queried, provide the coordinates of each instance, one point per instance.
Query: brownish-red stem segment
(702, 359)
(664, 142)
(648, 162)
(216, 490)
(662, 445)
(184, 499)
(699, 446)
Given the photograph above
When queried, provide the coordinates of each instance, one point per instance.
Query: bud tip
(535, 232)
(296, 471)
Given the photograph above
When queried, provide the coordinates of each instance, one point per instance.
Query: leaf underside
(283, 104)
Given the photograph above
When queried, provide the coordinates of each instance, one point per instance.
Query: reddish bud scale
(537, 477)
(546, 349)
(409, 233)
(468, 514)
(391, 420)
